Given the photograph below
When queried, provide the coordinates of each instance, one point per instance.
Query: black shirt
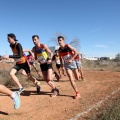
(19, 49)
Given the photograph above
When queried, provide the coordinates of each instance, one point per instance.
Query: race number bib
(58, 61)
(67, 58)
(41, 59)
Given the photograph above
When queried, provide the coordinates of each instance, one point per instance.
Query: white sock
(13, 95)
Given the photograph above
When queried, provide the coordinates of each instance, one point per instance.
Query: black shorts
(58, 65)
(24, 66)
(45, 66)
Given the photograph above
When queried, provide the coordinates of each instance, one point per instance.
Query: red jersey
(66, 53)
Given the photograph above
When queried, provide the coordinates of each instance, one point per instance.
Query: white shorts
(71, 66)
(78, 63)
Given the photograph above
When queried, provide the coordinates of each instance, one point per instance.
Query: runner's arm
(61, 60)
(20, 52)
(80, 54)
(29, 51)
(74, 50)
(49, 51)
(33, 51)
(53, 58)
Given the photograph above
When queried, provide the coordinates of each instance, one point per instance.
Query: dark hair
(60, 37)
(11, 35)
(56, 51)
(35, 36)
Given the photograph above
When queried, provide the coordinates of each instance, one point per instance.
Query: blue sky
(96, 23)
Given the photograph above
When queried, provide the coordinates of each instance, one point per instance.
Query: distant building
(53, 48)
(111, 58)
(104, 58)
(99, 58)
(92, 58)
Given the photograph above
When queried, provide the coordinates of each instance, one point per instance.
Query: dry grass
(6, 79)
(101, 65)
(110, 111)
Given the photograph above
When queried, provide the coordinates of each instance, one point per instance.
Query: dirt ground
(97, 85)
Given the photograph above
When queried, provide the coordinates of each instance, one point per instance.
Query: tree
(75, 42)
(54, 38)
(117, 59)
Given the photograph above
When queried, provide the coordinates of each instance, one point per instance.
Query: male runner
(41, 54)
(21, 62)
(30, 60)
(66, 54)
(79, 65)
(56, 58)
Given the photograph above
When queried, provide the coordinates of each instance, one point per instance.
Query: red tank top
(66, 53)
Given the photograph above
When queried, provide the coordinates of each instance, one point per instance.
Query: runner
(31, 61)
(21, 62)
(41, 54)
(66, 54)
(56, 58)
(14, 95)
(79, 65)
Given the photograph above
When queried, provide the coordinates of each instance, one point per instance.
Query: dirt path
(97, 86)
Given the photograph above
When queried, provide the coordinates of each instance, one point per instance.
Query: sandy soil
(97, 86)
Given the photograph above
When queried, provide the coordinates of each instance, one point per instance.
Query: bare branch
(54, 39)
(75, 43)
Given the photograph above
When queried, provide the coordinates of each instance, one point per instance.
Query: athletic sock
(13, 95)
(20, 87)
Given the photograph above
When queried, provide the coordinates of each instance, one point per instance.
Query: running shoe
(21, 90)
(83, 78)
(55, 92)
(38, 89)
(16, 100)
(38, 83)
(77, 96)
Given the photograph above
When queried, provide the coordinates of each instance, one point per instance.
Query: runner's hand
(49, 61)
(69, 61)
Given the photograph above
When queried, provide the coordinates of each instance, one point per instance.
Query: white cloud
(101, 46)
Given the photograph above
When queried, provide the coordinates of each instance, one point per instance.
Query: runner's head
(35, 39)
(56, 52)
(11, 38)
(61, 40)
